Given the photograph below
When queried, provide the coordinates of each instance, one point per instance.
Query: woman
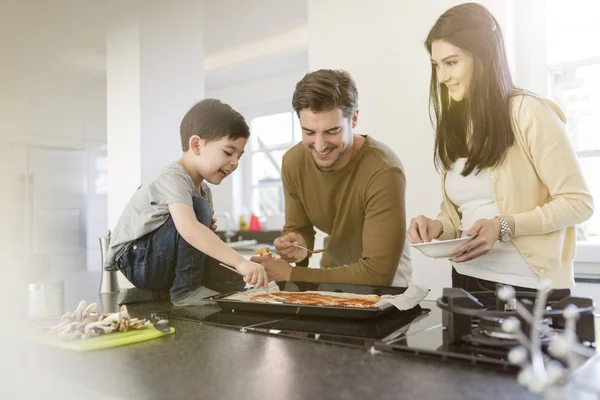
(510, 176)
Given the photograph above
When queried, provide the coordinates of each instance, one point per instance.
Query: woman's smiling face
(454, 68)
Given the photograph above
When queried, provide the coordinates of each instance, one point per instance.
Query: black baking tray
(386, 328)
(310, 310)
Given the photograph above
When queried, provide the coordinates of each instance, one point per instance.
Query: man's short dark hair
(212, 120)
(326, 90)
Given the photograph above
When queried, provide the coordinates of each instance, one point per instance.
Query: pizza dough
(313, 298)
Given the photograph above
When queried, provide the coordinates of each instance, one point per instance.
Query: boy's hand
(253, 273)
(277, 269)
(213, 224)
(289, 253)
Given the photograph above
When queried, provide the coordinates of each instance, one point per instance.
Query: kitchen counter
(205, 361)
(202, 361)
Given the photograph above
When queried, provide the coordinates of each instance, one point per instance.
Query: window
(272, 136)
(573, 55)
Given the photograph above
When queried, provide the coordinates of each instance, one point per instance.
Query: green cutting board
(105, 341)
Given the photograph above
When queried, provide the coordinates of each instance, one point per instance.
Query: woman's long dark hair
(484, 112)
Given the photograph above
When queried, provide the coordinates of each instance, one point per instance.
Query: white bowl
(440, 248)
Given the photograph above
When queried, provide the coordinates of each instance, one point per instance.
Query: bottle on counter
(254, 223)
(263, 223)
(243, 223)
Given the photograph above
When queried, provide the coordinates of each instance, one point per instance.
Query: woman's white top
(474, 197)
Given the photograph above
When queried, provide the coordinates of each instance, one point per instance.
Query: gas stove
(469, 327)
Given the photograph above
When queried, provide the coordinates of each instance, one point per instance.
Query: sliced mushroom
(67, 328)
(124, 325)
(89, 319)
(92, 308)
(114, 317)
(81, 306)
(106, 326)
(124, 312)
(85, 322)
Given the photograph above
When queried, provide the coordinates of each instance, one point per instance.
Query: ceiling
(252, 29)
(47, 34)
(69, 36)
(231, 23)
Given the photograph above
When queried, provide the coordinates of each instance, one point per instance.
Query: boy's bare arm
(205, 240)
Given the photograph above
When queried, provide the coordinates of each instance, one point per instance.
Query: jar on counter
(46, 299)
(243, 223)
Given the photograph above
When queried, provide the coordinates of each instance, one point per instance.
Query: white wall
(171, 75)
(155, 74)
(122, 109)
(257, 96)
(528, 28)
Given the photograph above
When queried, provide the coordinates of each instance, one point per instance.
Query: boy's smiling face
(216, 160)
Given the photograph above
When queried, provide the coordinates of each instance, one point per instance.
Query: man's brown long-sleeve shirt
(361, 207)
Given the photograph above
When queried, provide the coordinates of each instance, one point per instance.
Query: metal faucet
(229, 225)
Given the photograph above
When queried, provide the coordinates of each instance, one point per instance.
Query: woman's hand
(423, 230)
(486, 233)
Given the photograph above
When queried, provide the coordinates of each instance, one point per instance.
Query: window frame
(588, 252)
(248, 201)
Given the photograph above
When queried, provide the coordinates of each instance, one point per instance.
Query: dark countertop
(201, 361)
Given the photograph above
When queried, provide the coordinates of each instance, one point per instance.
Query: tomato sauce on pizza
(317, 299)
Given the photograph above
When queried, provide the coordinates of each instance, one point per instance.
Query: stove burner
(476, 318)
(492, 327)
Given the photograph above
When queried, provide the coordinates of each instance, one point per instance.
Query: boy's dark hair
(326, 90)
(212, 120)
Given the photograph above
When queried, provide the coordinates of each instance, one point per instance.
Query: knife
(230, 268)
(161, 324)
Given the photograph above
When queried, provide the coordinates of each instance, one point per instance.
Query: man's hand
(487, 232)
(253, 273)
(213, 224)
(277, 269)
(423, 230)
(289, 253)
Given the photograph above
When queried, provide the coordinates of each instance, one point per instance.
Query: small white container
(440, 248)
(46, 299)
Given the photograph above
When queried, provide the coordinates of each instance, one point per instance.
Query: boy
(164, 235)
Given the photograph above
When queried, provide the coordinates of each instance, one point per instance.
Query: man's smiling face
(327, 135)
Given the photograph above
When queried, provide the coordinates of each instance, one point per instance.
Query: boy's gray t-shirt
(148, 209)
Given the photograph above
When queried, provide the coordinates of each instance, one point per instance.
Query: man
(349, 186)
